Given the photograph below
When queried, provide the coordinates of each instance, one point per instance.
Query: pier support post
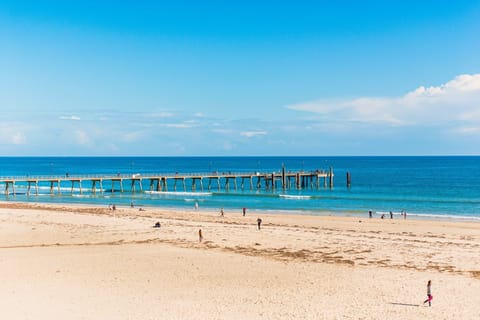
(330, 175)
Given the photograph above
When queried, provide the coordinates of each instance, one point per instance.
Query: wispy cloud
(252, 134)
(181, 125)
(162, 114)
(82, 138)
(73, 118)
(456, 100)
(133, 136)
(18, 138)
(13, 133)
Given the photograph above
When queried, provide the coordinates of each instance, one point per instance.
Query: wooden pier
(163, 182)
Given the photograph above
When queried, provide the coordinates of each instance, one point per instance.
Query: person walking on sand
(259, 223)
(391, 215)
(200, 235)
(222, 213)
(244, 211)
(370, 213)
(429, 294)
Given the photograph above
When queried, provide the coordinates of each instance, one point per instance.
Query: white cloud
(252, 134)
(18, 138)
(73, 118)
(456, 100)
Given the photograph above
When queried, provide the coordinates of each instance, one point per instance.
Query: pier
(173, 181)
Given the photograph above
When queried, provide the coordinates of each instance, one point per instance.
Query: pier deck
(163, 181)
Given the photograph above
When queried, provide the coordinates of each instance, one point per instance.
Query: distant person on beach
(391, 215)
(429, 294)
(114, 207)
(244, 211)
(382, 216)
(404, 215)
(222, 213)
(259, 223)
(200, 235)
(196, 205)
(131, 204)
(370, 213)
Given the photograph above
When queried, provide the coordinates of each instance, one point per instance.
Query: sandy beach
(79, 262)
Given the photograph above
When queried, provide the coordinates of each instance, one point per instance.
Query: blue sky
(239, 78)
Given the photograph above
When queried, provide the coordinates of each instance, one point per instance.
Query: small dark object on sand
(157, 225)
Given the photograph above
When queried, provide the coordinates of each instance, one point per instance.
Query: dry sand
(72, 262)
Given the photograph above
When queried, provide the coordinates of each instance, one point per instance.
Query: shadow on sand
(405, 304)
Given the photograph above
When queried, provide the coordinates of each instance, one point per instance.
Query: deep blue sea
(422, 186)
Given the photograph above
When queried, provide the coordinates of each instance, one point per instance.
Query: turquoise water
(423, 186)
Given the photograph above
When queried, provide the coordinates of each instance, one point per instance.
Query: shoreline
(319, 213)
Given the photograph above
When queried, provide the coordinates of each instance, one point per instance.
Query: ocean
(429, 187)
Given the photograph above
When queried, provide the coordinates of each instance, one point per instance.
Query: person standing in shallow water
(429, 294)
